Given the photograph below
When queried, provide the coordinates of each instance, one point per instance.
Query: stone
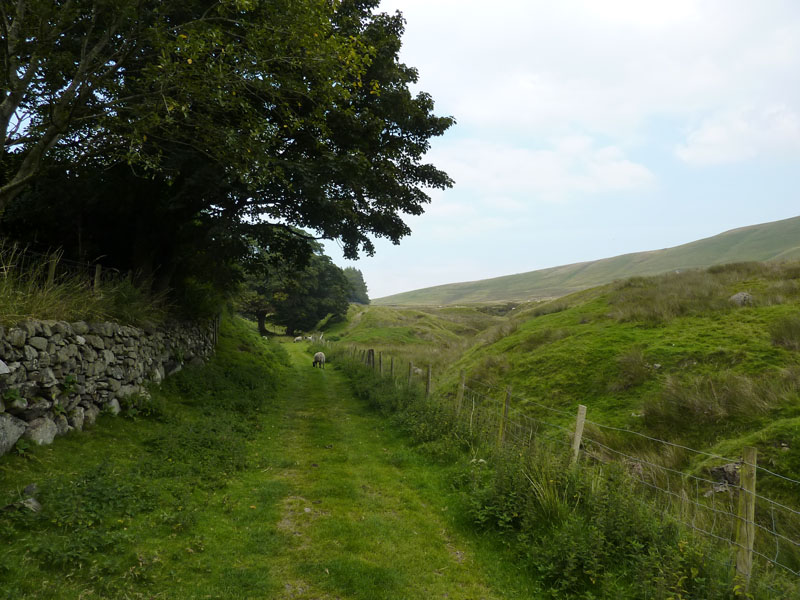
(80, 327)
(41, 431)
(31, 328)
(77, 417)
(90, 414)
(114, 407)
(96, 341)
(741, 299)
(47, 378)
(17, 337)
(37, 407)
(30, 353)
(109, 357)
(32, 504)
(62, 425)
(11, 429)
(80, 340)
(30, 490)
(17, 405)
(727, 474)
(44, 359)
(4, 370)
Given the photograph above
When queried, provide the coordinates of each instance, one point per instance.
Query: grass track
(321, 499)
(358, 514)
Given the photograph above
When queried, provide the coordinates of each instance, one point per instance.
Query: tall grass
(661, 298)
(26, 294)
(586, 532)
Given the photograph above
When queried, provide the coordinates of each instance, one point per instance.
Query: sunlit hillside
(779, 240)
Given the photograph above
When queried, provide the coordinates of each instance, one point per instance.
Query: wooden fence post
(380, 364)
(501, 432)
(371, 358)
(428, 385)
(460, 393)
(97, 272)
(51, 270)
(746, 527)
(576, 438)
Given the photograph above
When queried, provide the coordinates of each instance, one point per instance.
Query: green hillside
(779, 240)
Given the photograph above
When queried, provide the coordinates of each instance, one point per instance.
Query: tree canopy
(170, 135)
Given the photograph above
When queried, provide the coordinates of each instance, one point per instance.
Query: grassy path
(340, 508)
(238, 490)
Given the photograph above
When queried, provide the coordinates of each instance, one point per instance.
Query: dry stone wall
(56, 377)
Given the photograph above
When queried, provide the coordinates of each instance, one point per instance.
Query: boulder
(4, 370)
(41, 431)
(11, 429)
(741, 299)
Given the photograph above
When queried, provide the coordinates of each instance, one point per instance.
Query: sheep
(299, 338)
(319, 359)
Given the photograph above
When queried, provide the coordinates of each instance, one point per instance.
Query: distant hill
(778, 240)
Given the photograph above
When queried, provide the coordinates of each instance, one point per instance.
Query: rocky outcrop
(56, 377)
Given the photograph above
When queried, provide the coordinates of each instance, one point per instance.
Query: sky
(588, 129)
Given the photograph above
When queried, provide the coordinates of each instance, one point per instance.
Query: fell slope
(778, 240)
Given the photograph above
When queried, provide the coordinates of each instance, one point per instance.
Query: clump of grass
(26, 293)
(786, 332)
(688, 401)
(633, 370)
(655, 300)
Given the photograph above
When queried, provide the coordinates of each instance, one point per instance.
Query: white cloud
(572, 165)
(545, 68)
(737, 135)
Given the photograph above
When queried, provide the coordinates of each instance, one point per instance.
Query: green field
(779, 240)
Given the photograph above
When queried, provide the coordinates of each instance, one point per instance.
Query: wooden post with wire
(98, 270)
(460, 393)
(428, 386)
(746, 526)
(501, 432)
(576, 438)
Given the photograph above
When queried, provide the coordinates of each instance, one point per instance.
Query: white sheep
(299, 338)
(319, 360)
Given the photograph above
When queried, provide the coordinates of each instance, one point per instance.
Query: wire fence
(713, 495)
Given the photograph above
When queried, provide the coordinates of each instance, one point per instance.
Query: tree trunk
(262, 323)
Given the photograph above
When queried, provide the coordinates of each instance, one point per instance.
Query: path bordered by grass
(340, 508)
(304, 495)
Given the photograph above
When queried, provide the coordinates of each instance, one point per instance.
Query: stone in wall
(56, 377)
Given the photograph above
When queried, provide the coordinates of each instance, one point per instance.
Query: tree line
(206, 145)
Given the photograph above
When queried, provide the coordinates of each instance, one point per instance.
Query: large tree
(219, 122)
(358, 287)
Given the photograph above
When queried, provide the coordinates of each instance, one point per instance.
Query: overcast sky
(588, 129)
